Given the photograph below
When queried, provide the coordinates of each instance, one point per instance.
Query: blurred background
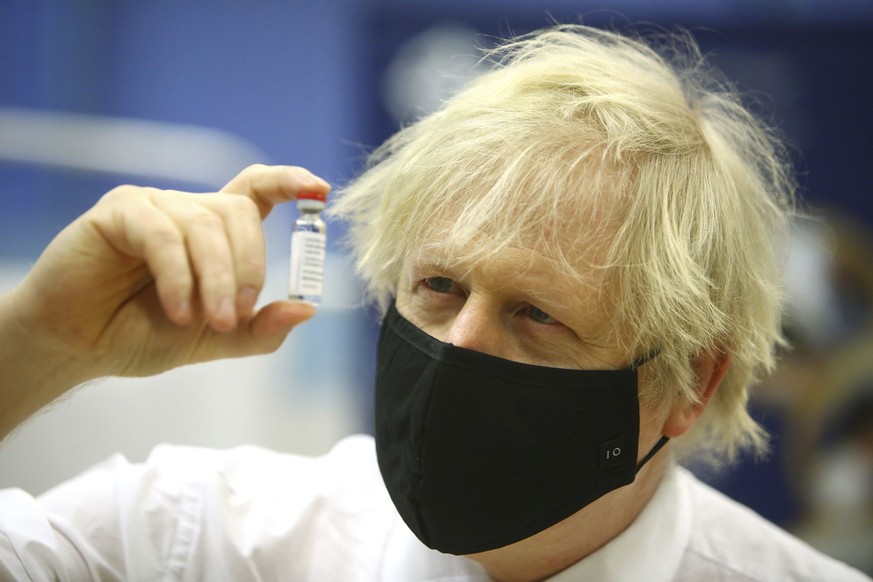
(102, 92)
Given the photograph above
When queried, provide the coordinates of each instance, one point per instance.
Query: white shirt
(251, 514)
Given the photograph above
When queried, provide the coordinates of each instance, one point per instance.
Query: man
(576, 261)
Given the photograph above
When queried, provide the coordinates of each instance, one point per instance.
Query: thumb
(273, 322)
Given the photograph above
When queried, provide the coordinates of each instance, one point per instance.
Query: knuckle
(127, 196)
(182, 281)
(206, 219)
(242, 206)
(175, 284)
(301, 172)
(251, 269)
(255, 169)
(162, 235)
(217, 280)
(122, 192)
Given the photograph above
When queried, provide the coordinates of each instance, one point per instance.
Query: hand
(148, 280)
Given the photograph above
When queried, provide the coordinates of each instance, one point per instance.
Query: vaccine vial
(308, 245)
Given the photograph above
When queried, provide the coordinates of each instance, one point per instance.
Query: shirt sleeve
(80, 543)
(115, 521)
(197, 514)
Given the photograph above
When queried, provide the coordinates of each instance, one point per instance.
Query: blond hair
(580, 136)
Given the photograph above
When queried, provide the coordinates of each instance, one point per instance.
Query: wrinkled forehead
(567, 253)
(564, 281)
(473, 203)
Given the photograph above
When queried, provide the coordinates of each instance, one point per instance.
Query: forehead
(568, 246)
(537, 271)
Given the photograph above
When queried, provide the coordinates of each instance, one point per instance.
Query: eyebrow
(553, 297)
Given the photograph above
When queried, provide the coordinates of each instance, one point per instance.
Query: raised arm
(145, 281)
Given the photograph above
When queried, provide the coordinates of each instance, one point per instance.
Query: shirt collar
(651, 548)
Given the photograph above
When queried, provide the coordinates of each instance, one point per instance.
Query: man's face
(519, 306)
(523, 306)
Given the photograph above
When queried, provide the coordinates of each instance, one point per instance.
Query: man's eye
(439, 284)
(540, 316)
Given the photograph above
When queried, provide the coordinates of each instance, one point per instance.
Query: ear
(711, 369)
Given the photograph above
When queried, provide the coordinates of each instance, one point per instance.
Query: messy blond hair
(581, 139)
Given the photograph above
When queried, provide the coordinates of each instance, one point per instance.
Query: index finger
(272, 185)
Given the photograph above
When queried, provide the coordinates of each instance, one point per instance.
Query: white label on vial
(307, 263)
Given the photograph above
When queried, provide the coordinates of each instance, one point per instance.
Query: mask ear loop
(664, 439)
(658, 446)
(645, 358)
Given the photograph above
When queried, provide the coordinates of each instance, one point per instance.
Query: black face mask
(478, 452)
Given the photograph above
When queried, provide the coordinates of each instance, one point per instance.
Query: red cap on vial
(312, 196)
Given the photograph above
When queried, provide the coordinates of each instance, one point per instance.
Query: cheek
(402, 296)
(405, 304)
(564, 353)
(434, 322)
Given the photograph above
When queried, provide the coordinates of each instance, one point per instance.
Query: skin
(148, 280)
(517, 308)
(145, 281)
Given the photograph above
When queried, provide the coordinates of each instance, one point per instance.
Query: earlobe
(711, 370)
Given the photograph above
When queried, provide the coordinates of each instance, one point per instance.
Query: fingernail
(248, 295)
(225, 312)
(304, 308)
(183, 309)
